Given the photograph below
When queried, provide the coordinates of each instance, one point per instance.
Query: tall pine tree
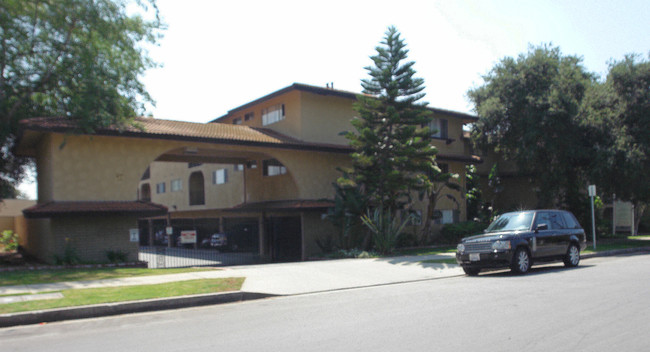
(392, 153)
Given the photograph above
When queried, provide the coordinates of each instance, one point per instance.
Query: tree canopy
(70, 58)
(617, 114)
(528, 112)
(392, 150)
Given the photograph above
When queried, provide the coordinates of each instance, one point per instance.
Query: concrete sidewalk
(262, 281)
(285, 278)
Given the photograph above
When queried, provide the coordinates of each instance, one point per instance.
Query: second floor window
(249, 116)
(220, 177)
(272, 114)
(439, 128)
(160, 187)
(176, 185)
(273, 167)
(236, 121)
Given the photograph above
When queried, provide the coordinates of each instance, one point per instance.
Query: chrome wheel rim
(574, 255)
(523, 261)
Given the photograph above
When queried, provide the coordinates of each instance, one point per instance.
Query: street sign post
(592, 194)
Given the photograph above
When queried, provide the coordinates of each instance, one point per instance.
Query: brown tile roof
(63, 208)
(339, 93)
(189, 131)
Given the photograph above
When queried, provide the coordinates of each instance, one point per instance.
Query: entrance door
(284, 238)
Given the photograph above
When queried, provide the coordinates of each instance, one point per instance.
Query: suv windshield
(511, 222)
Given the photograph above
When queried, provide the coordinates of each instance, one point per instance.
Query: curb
(117, 308)
(159, 304)
(616, 252)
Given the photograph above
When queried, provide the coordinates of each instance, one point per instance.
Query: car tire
(471, 271)
(572, 256)
(521, 261)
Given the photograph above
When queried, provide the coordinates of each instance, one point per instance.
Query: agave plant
(385, 228)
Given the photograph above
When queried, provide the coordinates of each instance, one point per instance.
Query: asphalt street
(599, 306)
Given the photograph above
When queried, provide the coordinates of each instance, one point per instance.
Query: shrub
(117, 256)
(385, 228)
(9, 240)
(452, 233)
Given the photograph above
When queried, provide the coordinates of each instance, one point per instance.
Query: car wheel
(520, 261)
(471, 271)
(572, 257)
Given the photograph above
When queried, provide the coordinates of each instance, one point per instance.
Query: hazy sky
(218, 55)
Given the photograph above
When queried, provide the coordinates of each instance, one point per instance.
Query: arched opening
(145, 192)
(197, 188)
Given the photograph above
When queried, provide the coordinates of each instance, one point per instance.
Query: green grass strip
(80, 297)
(29, 277)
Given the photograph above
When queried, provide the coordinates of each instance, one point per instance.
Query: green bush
(452, 233)
(9, 240)
(117, 256)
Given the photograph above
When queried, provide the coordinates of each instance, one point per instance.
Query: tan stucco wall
(325, 117)
(92, 236)
(38, 240)
(7, 223)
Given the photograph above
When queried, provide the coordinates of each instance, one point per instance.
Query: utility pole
(592, 194)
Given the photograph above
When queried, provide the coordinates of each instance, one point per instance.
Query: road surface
(600, 306)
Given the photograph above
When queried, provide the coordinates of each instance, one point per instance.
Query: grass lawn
(608, 244)
(28, 277)
(87, 296)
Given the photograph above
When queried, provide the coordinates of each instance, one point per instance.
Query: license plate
(474, 257)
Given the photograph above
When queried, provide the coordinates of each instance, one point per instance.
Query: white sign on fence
(188, 236)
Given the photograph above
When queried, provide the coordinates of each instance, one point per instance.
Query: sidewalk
(285, 278)
(262, 281)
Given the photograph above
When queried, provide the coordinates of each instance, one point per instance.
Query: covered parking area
(106, 168)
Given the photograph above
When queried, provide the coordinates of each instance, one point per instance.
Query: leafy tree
(392, 151)
(474, 195)
(77, 59)
(617, 115)
(440, 180)
(528, 111)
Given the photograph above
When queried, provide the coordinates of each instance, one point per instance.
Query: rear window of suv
(571, 221)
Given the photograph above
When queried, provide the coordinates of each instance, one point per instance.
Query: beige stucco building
(263, 171)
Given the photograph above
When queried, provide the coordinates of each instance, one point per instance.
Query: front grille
(478, 247)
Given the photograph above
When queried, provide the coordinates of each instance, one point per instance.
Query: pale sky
(218, 55)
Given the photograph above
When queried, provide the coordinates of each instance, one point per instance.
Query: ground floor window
(273, 167)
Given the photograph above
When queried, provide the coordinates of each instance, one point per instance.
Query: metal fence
(164, 257)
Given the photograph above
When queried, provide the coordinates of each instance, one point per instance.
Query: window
(251, 164)
(249, 116)
(236, 121)
(447, 216)
(272, 114)
(238, 167)
(160, 187)
(571, 221)
(197, 188)
(191, 165)
(416, 218)
(273, 167)
(219, 177)
(439, 128)
(176, 185)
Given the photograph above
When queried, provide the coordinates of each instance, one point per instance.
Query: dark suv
(518, 239)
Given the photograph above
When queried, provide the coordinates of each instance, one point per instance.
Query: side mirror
(541, 227)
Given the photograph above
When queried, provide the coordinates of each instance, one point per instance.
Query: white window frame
(176, 185)
(220, 177)
(160, 188)
(273, 114)
(441, 128)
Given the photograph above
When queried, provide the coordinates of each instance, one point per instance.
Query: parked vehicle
(218, 240)
(519, 239)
